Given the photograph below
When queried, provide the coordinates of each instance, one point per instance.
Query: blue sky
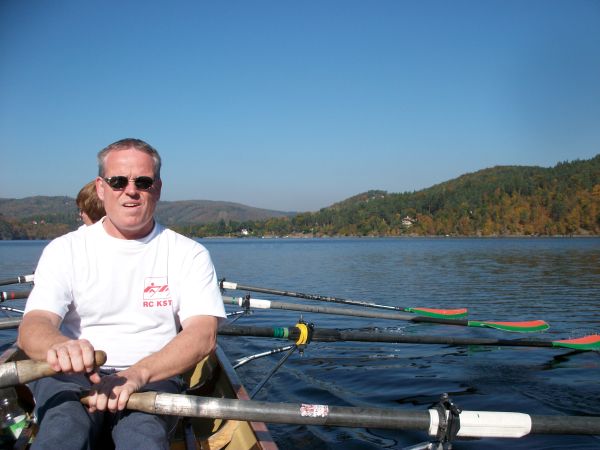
(294, 105)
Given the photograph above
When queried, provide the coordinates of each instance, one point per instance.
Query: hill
(193, 212)
(497, 201)
(44, 217)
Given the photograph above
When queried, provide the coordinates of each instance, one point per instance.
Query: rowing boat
(213, 376)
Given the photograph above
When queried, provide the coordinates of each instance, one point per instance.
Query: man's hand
(40, 338)
(73, 356)
(112, 391)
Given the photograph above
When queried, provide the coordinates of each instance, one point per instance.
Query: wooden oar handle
(140, 401)
(21, 372)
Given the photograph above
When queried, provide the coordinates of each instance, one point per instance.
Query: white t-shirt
(127, 297)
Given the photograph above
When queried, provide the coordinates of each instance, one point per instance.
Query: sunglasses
(120, 182)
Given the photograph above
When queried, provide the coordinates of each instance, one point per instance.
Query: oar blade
(530, 326)
(439, 313)
(591, 342)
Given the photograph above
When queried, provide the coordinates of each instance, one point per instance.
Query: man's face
(129, 211)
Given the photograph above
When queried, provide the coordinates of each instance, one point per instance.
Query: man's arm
(197, 339)
(39, 337)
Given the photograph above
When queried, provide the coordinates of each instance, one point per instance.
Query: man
(124, 285)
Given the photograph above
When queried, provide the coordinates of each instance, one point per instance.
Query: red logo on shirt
(156, 292)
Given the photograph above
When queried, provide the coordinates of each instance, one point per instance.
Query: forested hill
(500, 201)
(503, 200)
(44, 217)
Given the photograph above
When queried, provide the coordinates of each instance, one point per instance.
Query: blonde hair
(88, 202)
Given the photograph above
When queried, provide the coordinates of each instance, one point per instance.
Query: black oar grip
(21, 372)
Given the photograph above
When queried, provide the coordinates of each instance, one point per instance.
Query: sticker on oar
(584, 343)
(439, 313)
(521, 327)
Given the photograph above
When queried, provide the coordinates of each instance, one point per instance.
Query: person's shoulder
(180, 239)
(66, 240)
(85, 231)
(71, 235)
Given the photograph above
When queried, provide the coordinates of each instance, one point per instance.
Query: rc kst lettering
(157, 303)
(156, 293)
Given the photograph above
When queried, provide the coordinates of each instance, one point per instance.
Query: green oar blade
(591, 342)
(439, 313)
(519, 327)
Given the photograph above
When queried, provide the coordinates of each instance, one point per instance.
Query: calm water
(557, 280)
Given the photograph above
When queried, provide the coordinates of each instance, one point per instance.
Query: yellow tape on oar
(303, 338)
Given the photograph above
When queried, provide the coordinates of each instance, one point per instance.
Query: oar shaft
(417, 314)
(558, 425)
(11, 323)
(269, 304)
(472, 423)
(332, 335)
(324, 298)
(258, 411)
(13, 295)
(21, 372)
(17, 280)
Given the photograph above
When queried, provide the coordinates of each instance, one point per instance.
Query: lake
(554, 279)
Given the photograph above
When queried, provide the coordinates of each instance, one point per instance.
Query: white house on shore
(408, 221)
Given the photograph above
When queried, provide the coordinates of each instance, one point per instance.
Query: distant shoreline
(515, 236)
(319, 238)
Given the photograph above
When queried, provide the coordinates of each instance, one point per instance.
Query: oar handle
(21, 372)
(139, 401)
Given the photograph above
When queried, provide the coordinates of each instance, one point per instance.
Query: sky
(295, 105)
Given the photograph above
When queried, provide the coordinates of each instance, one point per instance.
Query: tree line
(500, 201)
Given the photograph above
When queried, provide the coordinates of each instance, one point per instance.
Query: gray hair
(124, 144)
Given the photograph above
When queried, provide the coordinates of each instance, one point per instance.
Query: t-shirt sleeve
(52, 286)
(200, 293)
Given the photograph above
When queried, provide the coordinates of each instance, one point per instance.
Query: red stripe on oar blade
(591, 342)
(442, 313)
(523, 327)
